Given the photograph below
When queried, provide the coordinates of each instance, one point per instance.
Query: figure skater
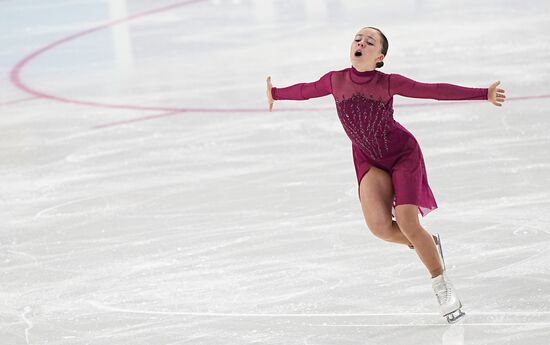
(391, 175)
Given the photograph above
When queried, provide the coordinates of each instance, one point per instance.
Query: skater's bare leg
(376, 193)
(407, 218)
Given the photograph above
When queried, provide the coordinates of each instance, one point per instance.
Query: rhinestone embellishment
(366, 122)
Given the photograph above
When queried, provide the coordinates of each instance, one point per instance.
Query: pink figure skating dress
(364, 102)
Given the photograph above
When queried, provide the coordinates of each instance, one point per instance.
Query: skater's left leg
(407, 218)
(449, 303)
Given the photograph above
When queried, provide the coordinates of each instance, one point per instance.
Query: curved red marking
(15, 77)
(15, 74)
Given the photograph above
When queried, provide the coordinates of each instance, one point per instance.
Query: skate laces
(443, 291)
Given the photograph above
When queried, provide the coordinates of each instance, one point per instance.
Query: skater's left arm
(401, 85)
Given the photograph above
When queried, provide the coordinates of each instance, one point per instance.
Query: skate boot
(437, 240)
(449, 304)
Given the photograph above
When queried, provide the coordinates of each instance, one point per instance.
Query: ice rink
(149, 197)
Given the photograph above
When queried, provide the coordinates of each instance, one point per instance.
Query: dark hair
(384, 49)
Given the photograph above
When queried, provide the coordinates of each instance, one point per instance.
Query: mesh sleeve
(303, 91)
(403, 86)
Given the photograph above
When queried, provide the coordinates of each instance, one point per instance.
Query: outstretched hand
(269, 96)
(496, 96)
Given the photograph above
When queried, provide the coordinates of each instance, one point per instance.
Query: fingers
(269, 96)
(498, 102)
(497, 96)
(269, 100)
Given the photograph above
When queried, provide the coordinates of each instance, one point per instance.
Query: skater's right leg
(376, 194)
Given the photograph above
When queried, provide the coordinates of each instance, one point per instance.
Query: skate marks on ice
(96, 255)
(27, 312)
(330, 328)
(471, 319)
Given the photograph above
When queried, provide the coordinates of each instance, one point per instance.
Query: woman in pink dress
(391, 176)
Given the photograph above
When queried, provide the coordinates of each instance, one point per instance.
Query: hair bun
(380, 64)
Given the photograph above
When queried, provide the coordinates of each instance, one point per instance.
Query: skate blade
(455, 316)
(440, 249)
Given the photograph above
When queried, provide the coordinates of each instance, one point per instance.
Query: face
(369, 43)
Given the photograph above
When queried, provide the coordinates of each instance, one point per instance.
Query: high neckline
(362, 74)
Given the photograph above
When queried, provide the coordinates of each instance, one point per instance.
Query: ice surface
(149, 197)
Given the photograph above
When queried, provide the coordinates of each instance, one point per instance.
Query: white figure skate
(449, 304)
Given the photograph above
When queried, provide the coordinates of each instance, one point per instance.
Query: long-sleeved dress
(364, 103)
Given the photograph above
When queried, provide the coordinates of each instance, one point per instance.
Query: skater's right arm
(301, 91)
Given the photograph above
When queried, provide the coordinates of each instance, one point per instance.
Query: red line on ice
(15, 77)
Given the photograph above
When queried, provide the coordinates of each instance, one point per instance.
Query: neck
(362, 72)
